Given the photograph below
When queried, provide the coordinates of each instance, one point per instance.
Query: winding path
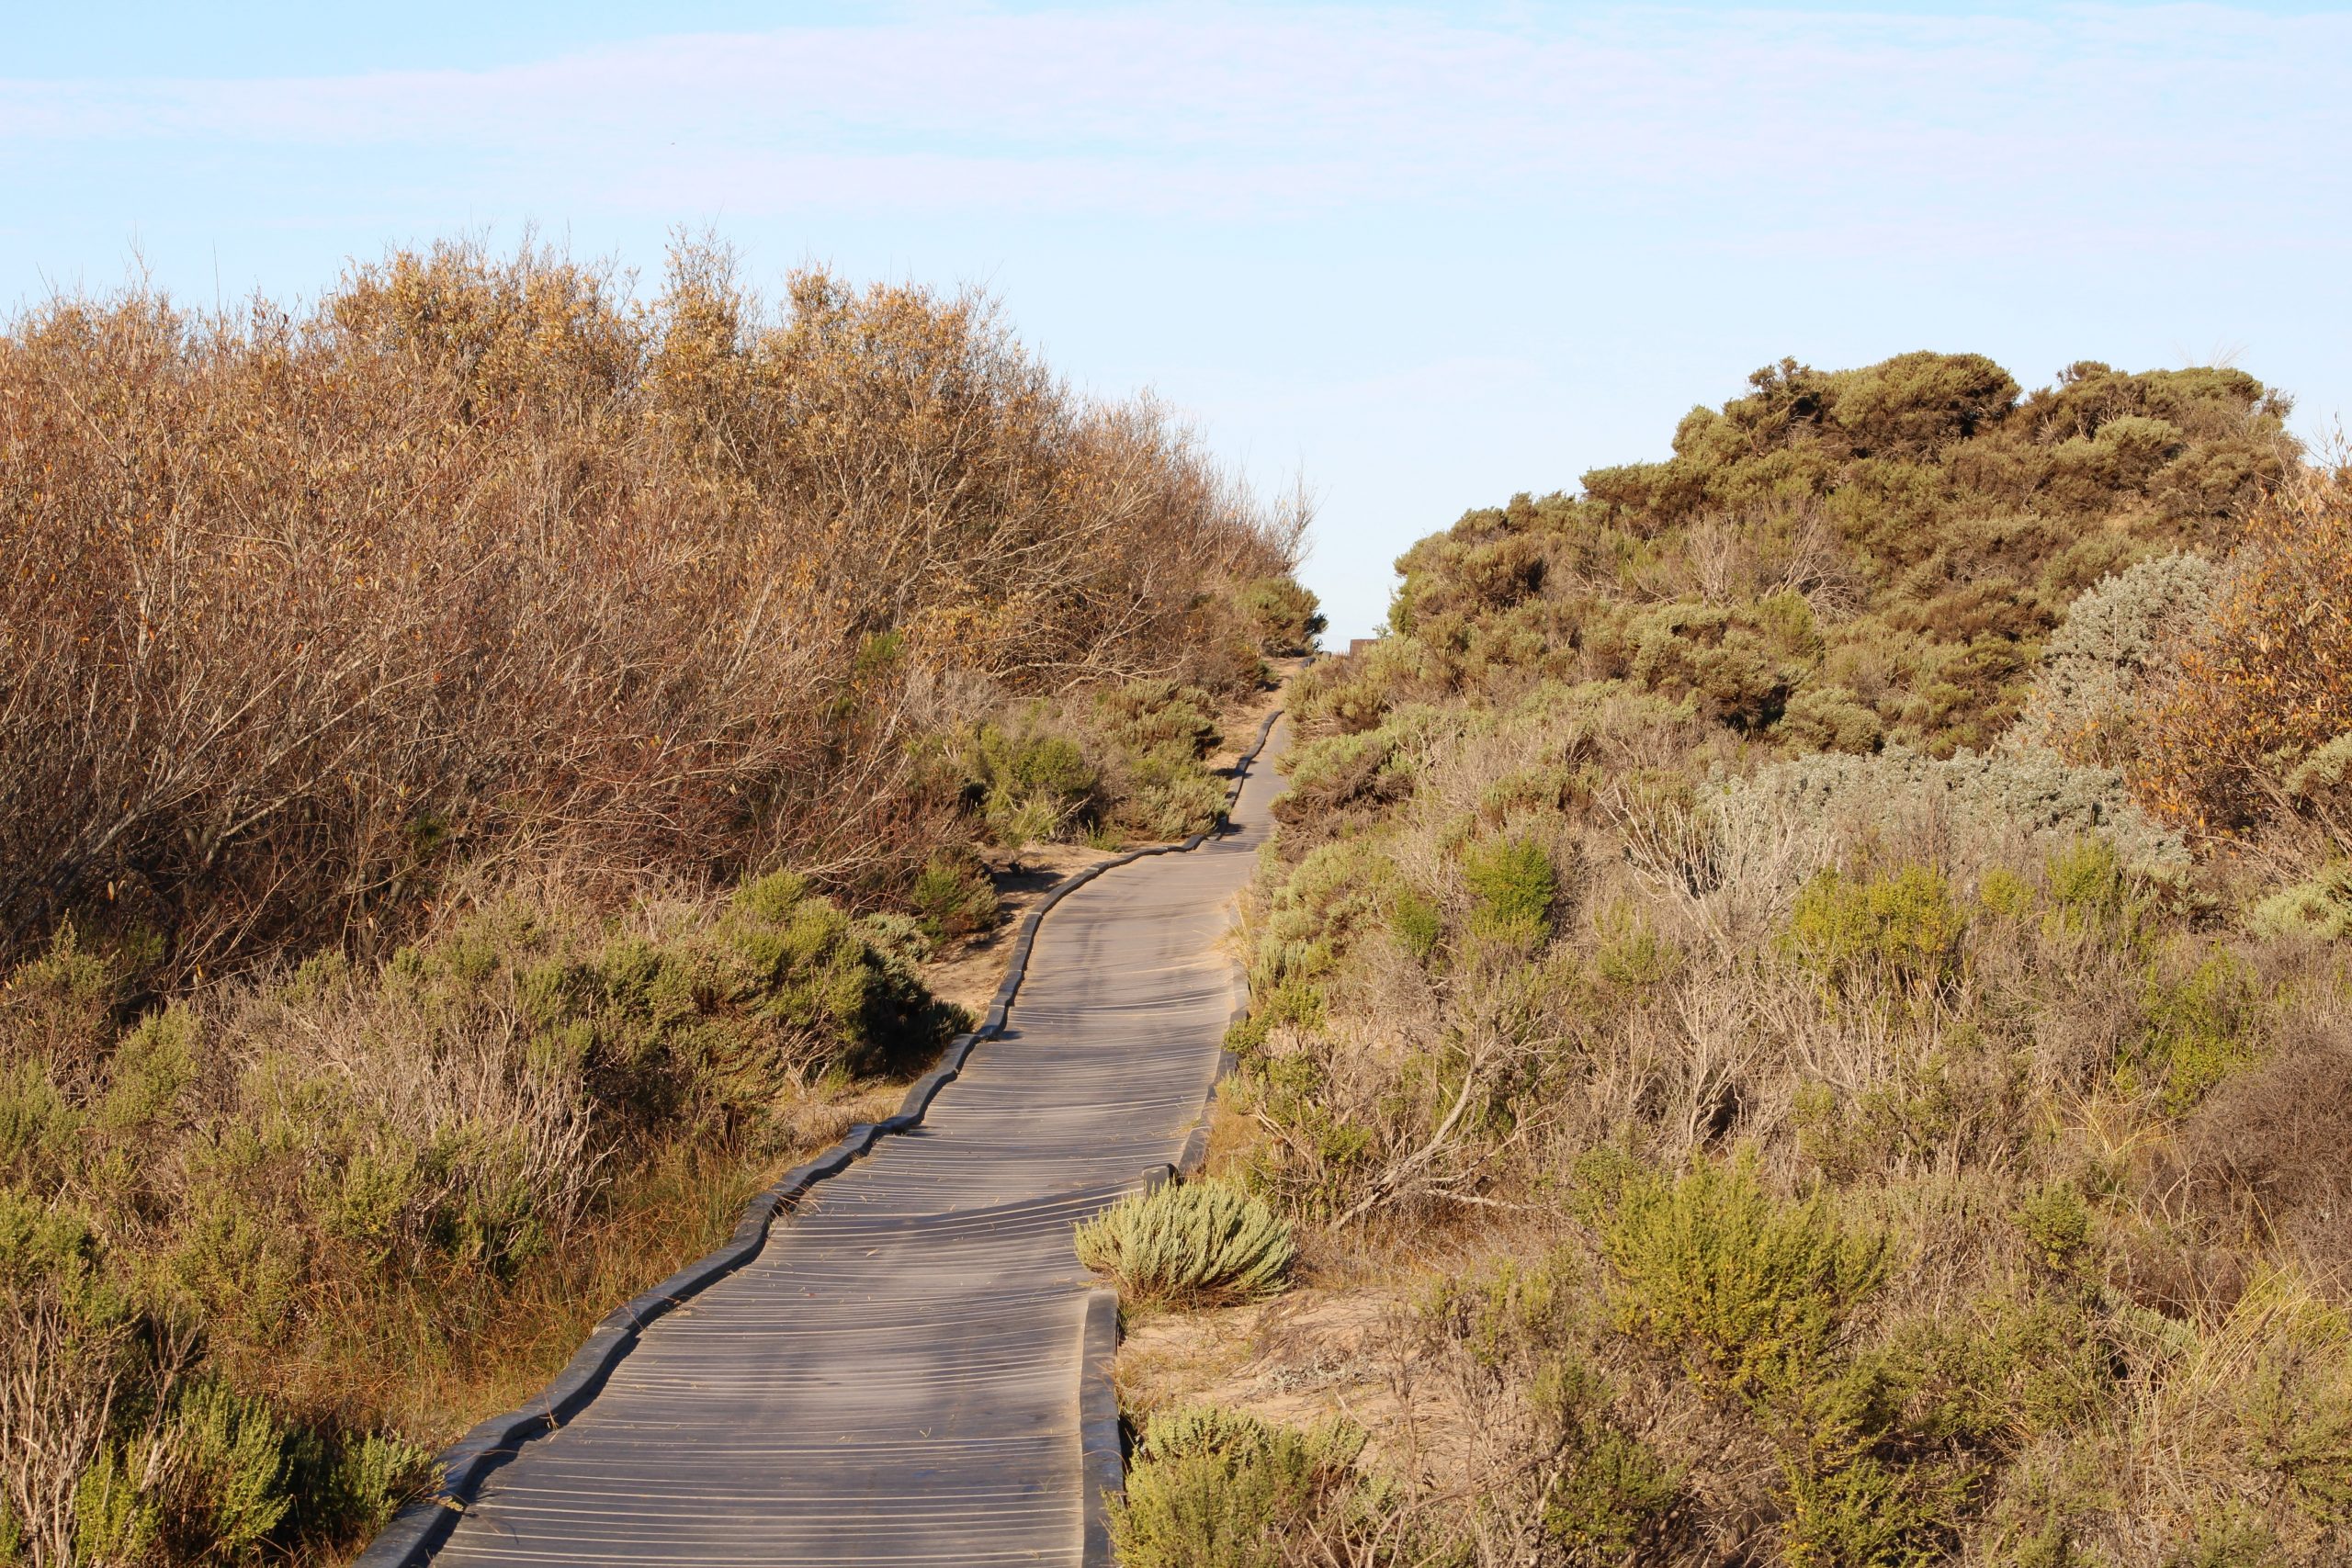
(898, 1376)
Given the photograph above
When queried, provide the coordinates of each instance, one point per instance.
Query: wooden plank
(895, 1376)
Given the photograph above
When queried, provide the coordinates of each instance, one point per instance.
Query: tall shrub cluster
(476, 556)
(1819, 963)
(1840, 559)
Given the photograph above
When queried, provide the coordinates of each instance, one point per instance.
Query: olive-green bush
(208, 1207)
(1285, 617)
(1754, 1291)
(1215, 1488)
(1514, 884)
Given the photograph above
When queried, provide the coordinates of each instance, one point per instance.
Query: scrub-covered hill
(1806, 978)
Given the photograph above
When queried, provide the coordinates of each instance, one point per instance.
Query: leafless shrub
(59, 1383)
(1729, 864)
(475, 555)
(1796, 550)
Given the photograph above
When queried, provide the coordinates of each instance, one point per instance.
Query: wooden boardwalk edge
(421, 1528)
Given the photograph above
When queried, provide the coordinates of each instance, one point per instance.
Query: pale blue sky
(1426, 256)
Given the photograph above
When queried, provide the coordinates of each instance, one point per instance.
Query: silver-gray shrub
(1956, 810)
(2116, 632)
(1730, 862)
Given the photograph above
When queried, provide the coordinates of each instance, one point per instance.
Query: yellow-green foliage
(1215, 1488)
(1751, 1290)
(1417, 923)
(1902, 924)
(2197, 1027)
(1513, 885)
(219, 1477)
(2096, 895)
(1188, 1243)
(1878, 1444)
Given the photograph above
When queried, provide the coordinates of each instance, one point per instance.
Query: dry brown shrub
(58, 1388)
(2263, 1158)
(2268, 680)
(480, 554)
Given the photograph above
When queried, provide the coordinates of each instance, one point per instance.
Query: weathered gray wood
(895, 1375)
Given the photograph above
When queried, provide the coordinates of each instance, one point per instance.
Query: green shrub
(1161, 734)
(1416, 920)
(1513, 885)
(1830, 719)
(2095, 893)
(1752, 1292)
(1144, 716)
(1902, 924)
(199, 1201)
(38, 1128)
(1173, 802)
(1282, 617)
(1188, 1243)
(1028, 783)
(1613, 1491)
(2197, 1030)
(2005, 894)
(60, 1004)
(153, 1067)
(2295, 1407)
(1313, 917)
(349, 1487)
(1609, 1496)
(2056, 1220)
(1214, 1488)
(1909, 1114)
(952, 895)
(230, 1474)
(1996, 1374)
(1867, 1512)
(1609, 1502)
(114, 1520)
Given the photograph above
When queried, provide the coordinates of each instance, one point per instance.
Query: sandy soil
(1302, 1358)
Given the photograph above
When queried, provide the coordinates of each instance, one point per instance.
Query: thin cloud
(1222, 111)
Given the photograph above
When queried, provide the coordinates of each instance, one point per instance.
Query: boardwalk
(895, 1379)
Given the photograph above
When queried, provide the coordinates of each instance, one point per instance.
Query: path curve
(898, 1376)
